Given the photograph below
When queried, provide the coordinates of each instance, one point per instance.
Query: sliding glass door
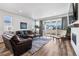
(53, 25)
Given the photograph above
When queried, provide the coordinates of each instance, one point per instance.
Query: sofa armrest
(24, 41)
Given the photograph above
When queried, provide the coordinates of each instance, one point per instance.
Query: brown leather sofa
(25, 33)
(16, 43)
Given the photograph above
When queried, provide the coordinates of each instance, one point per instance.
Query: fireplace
(74, 38)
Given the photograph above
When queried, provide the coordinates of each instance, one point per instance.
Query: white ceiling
(35, 10)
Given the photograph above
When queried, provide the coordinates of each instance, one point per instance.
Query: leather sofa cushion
(24, 34)
(15, 39)
(19, 40)
(29, 32)
(23, 41)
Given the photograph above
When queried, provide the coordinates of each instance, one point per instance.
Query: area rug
(39, 42)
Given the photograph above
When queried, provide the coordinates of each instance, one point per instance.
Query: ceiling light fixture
(20, 11)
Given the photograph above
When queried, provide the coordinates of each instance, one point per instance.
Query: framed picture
(23, 25)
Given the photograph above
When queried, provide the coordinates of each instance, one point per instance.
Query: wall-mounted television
(73, 12)
(23, 25)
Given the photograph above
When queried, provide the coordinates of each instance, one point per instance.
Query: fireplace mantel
(75, 31)
(75, 24)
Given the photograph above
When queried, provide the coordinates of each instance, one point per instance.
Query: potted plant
(68, 34)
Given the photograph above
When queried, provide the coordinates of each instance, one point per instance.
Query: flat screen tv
(73, 12)
(23, 25)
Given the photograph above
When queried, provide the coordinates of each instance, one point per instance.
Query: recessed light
(20, 11)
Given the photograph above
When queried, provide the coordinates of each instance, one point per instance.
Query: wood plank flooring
(56, 48)
(53, 48)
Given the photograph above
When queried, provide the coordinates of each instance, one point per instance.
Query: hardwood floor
(56, 48)
(53, 48)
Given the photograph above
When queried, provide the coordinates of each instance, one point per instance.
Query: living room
(38, 29)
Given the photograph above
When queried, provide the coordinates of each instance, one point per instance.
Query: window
(59, 24)
(7, 23)
(37, 26)
(7, 20)
(53, 24)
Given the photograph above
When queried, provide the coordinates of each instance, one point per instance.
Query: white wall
(16, 19)
(78, 11)
(58, 19)
(76, 47)
(76, 31)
